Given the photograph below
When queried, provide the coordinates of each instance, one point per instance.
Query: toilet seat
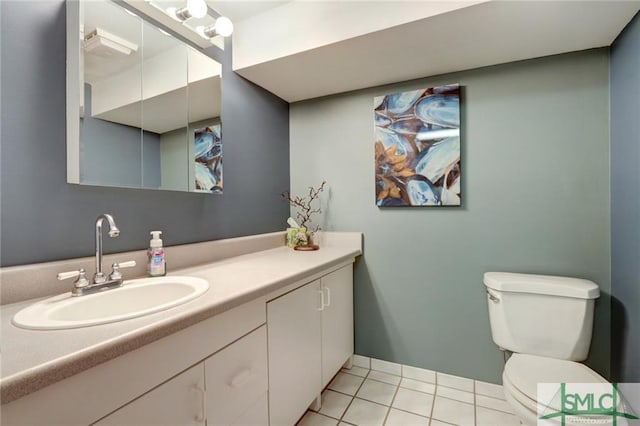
(529, 403)
(524, 372)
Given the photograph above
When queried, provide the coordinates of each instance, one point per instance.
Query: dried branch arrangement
(305, 205)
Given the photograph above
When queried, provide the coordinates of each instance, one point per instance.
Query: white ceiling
(239, 10)
(469, 37)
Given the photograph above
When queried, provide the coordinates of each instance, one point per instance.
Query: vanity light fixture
(194, 9)
(222, 27)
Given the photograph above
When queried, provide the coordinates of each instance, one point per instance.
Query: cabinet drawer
(236, 377)
(256, 415)
(179, 401)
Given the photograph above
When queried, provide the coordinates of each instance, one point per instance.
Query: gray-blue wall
(44, 218)
(535, 191)
(625, 204)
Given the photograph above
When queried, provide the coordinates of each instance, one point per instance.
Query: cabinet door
(236, 378)
(293, 330)
(177, 402)
(337, 321)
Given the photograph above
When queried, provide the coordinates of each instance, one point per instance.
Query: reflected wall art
(208, 159)
(417, 147)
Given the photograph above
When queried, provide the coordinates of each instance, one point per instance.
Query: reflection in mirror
(111, 114)
(164, 107)
(205, 139)
(149, 105)
(201, 25)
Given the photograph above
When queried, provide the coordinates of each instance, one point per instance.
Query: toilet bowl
(546, 321)
(523, 373)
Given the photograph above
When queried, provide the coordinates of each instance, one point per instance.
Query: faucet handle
(66, 275)
(115, 273)
(79, 283)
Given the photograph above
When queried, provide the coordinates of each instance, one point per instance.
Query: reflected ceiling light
(222, 27)
(193, 9)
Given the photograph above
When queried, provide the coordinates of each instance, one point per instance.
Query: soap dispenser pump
(156, 266)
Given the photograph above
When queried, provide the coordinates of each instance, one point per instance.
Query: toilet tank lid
(542, 284)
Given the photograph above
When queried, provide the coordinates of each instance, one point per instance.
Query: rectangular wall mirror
(143, 106)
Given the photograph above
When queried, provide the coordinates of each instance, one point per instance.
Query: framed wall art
(417, 147)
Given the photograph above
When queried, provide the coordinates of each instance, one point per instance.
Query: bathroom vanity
(257, 348)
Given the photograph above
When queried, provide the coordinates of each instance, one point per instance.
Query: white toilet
(546, 322)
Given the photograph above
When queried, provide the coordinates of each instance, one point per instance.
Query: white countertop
(33, 359)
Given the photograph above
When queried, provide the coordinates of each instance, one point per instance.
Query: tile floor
(375, 392)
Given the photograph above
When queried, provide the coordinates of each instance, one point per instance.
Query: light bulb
(197, 8)
(224, 26)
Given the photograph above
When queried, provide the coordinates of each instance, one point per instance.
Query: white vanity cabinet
(217, 391)
(310, 336)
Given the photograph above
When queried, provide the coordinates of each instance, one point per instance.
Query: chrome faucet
(99, 276)
(100, 282)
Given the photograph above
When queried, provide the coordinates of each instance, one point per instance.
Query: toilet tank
(541, 314)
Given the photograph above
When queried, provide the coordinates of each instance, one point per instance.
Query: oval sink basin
(134, 299)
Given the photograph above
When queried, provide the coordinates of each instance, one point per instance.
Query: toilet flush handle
(492, 297)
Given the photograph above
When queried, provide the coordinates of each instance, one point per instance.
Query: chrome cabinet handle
(199, 417)
(241, 378)
(328, 297)
(321, 308)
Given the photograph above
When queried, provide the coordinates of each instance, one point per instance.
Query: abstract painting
(208, 159)
(417, 147)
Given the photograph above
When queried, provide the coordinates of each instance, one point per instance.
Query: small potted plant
(300, 237)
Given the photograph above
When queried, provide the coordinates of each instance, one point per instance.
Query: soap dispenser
(156, 265)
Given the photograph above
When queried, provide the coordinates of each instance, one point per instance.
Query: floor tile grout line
(418, 390)
(490, 396)
(353, 397)
(324, 415)
(458, 389)
(384, 421)
(418, 380)
(337, 391)
(380, 381)
(456, 400)
(351, 374)
(433, 404)
(410, 412)
(373, 402)
(447, 423)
